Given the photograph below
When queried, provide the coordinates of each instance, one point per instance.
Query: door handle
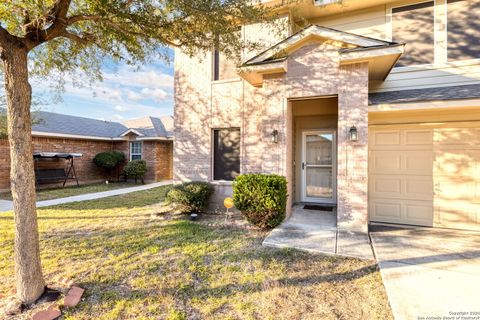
(303, 165)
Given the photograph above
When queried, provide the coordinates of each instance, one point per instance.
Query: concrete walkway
(316, 231)
(6, 205)
(429, 273)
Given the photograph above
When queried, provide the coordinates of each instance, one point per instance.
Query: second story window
(223, 68)
(414, 25)
(463, 29)
(135, 150)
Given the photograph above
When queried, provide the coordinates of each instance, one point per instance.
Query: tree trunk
(28, 271)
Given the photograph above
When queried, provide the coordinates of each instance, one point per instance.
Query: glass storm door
(318, 166)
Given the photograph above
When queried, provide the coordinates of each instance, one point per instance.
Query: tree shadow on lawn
(185, 244)
(178, 260)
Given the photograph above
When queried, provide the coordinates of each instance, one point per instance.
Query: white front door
(318, 166)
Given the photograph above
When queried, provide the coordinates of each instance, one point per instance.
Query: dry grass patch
(136, 264)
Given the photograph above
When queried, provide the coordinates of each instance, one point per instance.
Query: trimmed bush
(135, 169)
(262, 198)
(190, 196)
(109, 160)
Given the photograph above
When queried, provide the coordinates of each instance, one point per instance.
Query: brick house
(368, 106)
(146, 138)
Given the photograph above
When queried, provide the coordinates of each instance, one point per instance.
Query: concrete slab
(354, 244)
(316, 231)
(320, 242)
(312, 219)
(429, 272)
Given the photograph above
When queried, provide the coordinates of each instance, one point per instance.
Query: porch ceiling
(381, 55)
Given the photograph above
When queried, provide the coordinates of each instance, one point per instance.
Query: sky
(126, 92)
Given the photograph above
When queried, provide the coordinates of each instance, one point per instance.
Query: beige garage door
(425, 174)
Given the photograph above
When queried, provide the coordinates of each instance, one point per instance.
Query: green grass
(55, 193)
(135, 264)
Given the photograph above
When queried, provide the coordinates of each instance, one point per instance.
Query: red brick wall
(164, 163)
(158, 155)
(86, 170)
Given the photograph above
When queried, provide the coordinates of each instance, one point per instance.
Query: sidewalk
(6, 205)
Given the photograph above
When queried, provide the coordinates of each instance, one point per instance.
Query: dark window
(463, 29)
(223, 67)
(226, 153)
(414, 26)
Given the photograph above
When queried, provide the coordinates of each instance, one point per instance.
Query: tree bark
(28, 272)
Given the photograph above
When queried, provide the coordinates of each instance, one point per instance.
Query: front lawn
(68, 191)
(135, 264)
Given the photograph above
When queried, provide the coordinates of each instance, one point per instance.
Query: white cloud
(127, 76)
(156, 94)
(120, 108)
(124, 94)
(132, 95)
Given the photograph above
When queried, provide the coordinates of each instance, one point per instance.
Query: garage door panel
(385, 210)
(401, 211)
(386, 138)
(437, 182)
(401, 187)
(385, 161)
(419, 212)
(418, 162)
(418, 137)
(401, 162)
(386, 185)
(418, 187)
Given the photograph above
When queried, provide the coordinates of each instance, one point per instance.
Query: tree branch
(78, 18)
(81, 39)
(57, 16)
(5, 36)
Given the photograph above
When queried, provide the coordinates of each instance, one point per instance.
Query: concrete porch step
(316, 231)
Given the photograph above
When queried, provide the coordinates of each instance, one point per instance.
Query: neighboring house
(146, 138)
(351, 116)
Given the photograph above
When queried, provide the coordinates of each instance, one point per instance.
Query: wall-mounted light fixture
(353, 134)
(274, 136)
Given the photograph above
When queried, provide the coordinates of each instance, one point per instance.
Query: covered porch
(314, 223)
(314, 88)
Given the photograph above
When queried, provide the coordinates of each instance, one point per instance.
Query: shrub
(135, 169)
(109, 160)
(191, 196)
(262, 198)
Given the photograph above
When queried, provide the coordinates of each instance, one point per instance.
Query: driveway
(429, 273)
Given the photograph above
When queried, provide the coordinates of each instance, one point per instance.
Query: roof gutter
(77, 136)
(70, 136)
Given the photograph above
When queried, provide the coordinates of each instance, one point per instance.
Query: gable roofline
(52, 124)
(131, 130)
(320, 32)
(381, 55)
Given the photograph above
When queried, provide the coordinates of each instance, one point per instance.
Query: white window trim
(136, 154)
(389, 26)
